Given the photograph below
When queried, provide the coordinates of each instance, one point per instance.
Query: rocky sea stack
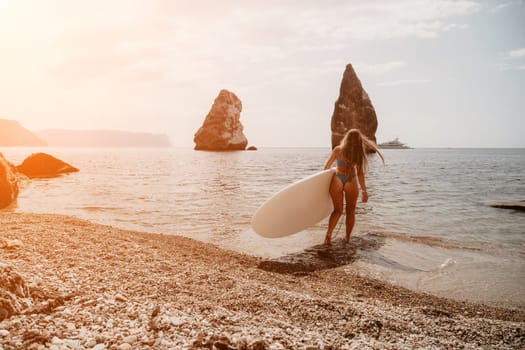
(222, 129)
(353, 109)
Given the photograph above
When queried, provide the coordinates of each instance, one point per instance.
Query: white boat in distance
(395, 144)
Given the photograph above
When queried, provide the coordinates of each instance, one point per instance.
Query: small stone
(71, 327)
(99, 347)
(120, 298)
(130, 339)
(124, 346)
(90, 343)
(4, 333)
(223, 346)
(13, 244)
(176, 321)
(73, 344)
(100, 338)
(56, 341)
(258, 345)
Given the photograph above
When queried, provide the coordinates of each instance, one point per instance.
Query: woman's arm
(362, 184)
(332, 158)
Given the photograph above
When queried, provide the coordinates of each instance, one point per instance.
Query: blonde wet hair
(354, 148)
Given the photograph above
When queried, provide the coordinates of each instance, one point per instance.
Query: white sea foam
(447, 265)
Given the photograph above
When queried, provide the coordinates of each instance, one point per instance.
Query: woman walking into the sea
(351, 164)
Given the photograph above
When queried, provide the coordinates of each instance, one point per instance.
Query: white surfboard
(296, 207)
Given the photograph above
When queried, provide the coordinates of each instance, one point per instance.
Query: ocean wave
(95, 208)
(447, 243)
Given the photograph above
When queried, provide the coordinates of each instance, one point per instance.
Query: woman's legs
(336, 192)
(351, 194)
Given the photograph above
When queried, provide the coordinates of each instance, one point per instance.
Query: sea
(427, 211)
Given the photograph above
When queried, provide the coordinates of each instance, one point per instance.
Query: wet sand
(98, 287)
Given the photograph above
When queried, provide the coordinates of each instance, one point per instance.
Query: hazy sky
(439, 73)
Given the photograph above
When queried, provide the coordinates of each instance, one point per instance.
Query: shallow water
(426, 210)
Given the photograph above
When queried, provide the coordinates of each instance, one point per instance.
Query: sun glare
(5, 5)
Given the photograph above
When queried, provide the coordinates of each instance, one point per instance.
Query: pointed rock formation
(44, 165)
(8, 183)
(222, 129)
(13, 134)
(353, 109)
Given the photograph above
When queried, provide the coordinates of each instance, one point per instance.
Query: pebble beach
(89, 286)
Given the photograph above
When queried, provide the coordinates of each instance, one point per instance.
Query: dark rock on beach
(353, 109)
(44, 165)
(14, 293)
(222, 129)
(515, 205)
(8, 183)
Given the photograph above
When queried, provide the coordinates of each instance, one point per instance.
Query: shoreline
(96, 286)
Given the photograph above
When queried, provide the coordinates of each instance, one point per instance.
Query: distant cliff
(102, 138)
(14, 134)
